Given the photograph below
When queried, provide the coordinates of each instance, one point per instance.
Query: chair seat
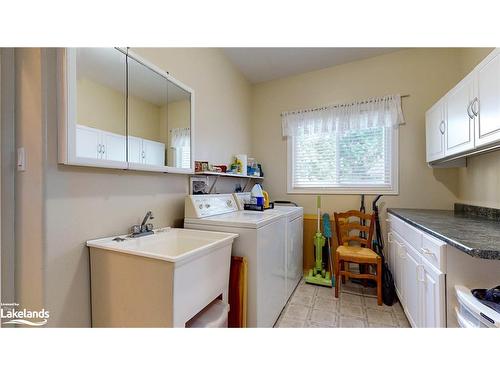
(357, 253)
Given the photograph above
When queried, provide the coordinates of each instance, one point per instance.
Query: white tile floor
(316, 306)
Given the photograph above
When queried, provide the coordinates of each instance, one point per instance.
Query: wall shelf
(222, 174)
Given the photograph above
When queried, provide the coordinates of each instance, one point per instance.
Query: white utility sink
(159, 280)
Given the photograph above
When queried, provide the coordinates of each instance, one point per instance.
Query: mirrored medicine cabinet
(117, 110)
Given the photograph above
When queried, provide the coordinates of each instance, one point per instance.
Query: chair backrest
(344, 226)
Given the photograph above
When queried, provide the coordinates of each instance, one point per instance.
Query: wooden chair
(355, 249)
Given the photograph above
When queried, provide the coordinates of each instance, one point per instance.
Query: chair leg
(337, 274)
(379, 281)
(342, 267)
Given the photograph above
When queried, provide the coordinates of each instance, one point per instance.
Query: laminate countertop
(475, 235)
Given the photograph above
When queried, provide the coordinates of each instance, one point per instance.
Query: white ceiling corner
(265, 64)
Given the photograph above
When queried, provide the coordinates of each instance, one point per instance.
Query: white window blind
(343, 155)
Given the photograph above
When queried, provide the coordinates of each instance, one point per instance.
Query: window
(180, 142)
(338, 154)
(183, 157)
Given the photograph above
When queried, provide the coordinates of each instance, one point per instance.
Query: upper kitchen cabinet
(470, 116)
(92, 107)
(159, 120)
(459, 131)
(119, 111)
(435, 126)
(486, 105)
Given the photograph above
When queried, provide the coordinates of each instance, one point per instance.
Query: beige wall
(61, 206)
(479, 182)
(424, 74)
(30, 185)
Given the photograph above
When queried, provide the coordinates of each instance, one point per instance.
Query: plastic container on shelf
(213, 316)
(471, 313)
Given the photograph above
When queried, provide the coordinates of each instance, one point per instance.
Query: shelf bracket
(213, 185)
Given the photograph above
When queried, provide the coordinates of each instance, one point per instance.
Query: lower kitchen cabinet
(433, 296)
(420, 285)
(413, 286)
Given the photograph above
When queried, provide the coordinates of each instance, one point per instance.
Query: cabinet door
(434, 132)
(88, 142)
(487, 105)
(92, 94)
(433, 297)
(459, 134)
(412, 286)
(135, 154)
(399, 268)
(154, 152)
(113, 146)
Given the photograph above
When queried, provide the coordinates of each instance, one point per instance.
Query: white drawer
(408, 232)
(434, 251)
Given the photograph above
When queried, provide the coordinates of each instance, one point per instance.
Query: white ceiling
(265, 64)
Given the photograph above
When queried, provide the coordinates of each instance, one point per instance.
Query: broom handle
(318, 204)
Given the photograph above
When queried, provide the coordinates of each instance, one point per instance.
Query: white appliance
(294, 249)
(471, 313)
(261, 240)
(293, 237)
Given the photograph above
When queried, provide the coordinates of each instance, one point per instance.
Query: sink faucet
(143, 229)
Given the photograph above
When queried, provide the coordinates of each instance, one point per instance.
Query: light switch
(21, 159)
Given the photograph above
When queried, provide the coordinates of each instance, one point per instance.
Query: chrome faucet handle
(136, 229)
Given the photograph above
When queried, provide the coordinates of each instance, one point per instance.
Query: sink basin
(169, 244)
(160, 280)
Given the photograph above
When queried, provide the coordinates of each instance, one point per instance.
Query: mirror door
(97, 116)
(118, 111)
(159, 120)
(179, 127)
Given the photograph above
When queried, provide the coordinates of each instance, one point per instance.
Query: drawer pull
(427, 251)
(389, 237)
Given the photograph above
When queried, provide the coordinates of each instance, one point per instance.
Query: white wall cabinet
(470, 115)
(420, 284)
(107, 94)
(434, 130)
(145, 151)
(486, 104)
(98, 144)
(459, 119)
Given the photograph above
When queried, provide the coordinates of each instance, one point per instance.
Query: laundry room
(282, 188)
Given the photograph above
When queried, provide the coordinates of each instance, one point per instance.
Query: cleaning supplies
(241, 164)
(318, 275)
(266, 198)
(258, 194)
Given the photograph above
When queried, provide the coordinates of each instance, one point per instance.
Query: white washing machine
(293, 236)
(261, 240)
